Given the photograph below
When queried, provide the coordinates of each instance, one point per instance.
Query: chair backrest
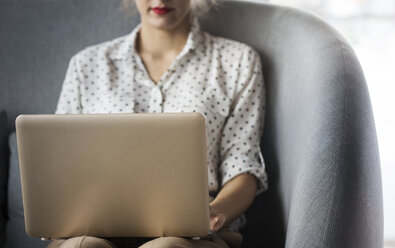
(319, 142)
(318, 114)
(37, 40)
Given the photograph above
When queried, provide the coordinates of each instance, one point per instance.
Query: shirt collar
(125, 49)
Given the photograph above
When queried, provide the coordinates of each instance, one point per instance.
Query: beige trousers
(221, 240)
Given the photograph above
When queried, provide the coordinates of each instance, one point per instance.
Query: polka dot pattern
(218, 77)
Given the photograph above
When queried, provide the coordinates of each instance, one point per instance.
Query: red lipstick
(161, 10)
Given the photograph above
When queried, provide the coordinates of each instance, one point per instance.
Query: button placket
(156, 101)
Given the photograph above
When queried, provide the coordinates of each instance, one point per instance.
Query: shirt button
(157, 90)
(156, 98)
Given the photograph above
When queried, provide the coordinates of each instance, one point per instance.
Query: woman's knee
(82, 242)
(168, 242)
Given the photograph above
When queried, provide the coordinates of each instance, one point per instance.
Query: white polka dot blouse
(218, 77)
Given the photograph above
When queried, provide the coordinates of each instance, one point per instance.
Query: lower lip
(161, 11)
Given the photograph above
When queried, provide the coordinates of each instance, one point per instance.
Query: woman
(167, 64)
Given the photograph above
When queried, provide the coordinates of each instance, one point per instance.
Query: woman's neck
(159, 42)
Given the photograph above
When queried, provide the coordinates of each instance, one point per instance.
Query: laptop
(114, 175)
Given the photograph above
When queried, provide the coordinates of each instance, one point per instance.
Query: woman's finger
(219, 221)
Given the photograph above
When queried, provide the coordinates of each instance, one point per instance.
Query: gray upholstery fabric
(16, 234)
(319, 142)
(4, 154)
(37, 40)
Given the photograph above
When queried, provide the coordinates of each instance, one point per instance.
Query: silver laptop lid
(114, 175)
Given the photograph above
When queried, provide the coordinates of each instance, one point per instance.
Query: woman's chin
(162, 23)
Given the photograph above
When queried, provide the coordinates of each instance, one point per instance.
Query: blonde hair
(198, 7)
(201, 7)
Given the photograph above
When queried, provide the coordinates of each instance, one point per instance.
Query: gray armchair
(319, 142)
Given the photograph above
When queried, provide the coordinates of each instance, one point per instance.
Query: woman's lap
(162, 242)
(81, 242)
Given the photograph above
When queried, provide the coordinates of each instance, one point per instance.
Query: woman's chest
(182, 95)
(192, 84)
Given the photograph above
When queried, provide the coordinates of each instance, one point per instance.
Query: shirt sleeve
(70, 96)
(240, 142)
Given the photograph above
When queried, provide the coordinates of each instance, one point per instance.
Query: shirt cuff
(246, 165)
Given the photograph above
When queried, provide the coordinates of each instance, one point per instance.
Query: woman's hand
(217, 219)
(232, 200)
